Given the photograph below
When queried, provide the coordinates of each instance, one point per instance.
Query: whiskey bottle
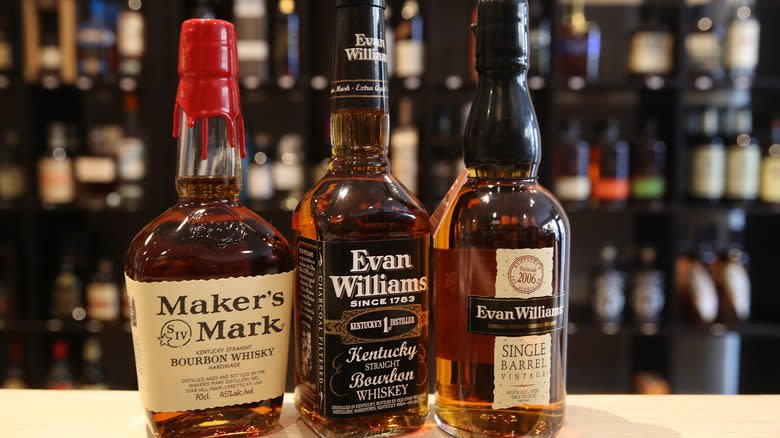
(743, 159)
(742, 41)
(361, 242)
(609, 292)
(209, 282)
(59, 375)
(579, 46)
(92, 375)
(703, 48)
(67, 296)
(770, 168)
(130, 45)
(648, 166)
(651, 53)
(14, 377)
(131, 153)
(501, 253)
(253, 50)
(572, 185)
(404, 143)
(612, 187)
(647, 295)
(707, 156)
(56, 184)
(103, 294)
(287, 44)
(409, 45)
(95, 40)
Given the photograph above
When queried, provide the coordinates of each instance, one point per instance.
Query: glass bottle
(95, 40)
(14, 374)
(409, 46)
(92, 374)
(579, 44)
(609, 292)
(647, 295)
(742, 41)
(13, 180)
(67, 296)
(572, 184)
(260, 182)
(6, 49)
(95, 170)
(209, 282)
(103, 294)
(743, 160)
(130, 44)
(362, 244)
(770, 168)
(612, 187)
(251, 22)
(404, 143)
(648, 166)
(700, 294)
(59, 375)
(131, 157)
(651, 50)
(707, 156)
(731, 274)
(56, 185)
(501, 243)
(287, 49)
(703, 47)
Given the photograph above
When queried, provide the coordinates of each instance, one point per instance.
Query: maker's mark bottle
(361, 244)
(209, 282)
(501, 257)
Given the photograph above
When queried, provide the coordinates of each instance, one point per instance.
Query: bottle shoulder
(494, 212)
(207, 240)
(360, 207)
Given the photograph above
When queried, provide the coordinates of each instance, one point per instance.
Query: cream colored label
(708, 171)
(202, 344)
(572, 188)
(770, 179)
(103, 301)
(522, 364)
(742, 44)
(743, 172)
(55, 180)
(409, 56)
(91, 169)
(651, 52)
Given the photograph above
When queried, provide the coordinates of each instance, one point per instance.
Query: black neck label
(363, 324)
(360, 59)
(515, 316)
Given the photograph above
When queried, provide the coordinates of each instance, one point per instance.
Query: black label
(360, 59)
(515, 316)
(364, 323)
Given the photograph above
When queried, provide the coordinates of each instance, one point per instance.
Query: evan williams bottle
(209, 282)
(361, 240)
(501, 250)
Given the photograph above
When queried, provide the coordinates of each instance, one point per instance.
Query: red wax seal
(208, 67)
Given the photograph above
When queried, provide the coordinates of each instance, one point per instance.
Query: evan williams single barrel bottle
(501, 257)
(361, 241)
(210, 283)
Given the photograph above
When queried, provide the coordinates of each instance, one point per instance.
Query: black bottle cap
(342, 3)
(502, 33)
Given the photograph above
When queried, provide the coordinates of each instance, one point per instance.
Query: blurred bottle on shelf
(444, 165)
(131, 41)
(539, 43)
(131, 157)
(14, 374)
(67, 296)
(13, 181)
(707, 156)
(770, 168)
(92, 375)
(6, 50)
(609, 297)
(409, 45)
(260, 182)
(579, 45)
(389, 41)
(251, 20)
(404, 144)
(651, 383)
(743, 157)
(50, 56)
(648, 166)
(56, 184)
(96, 169)
(731, 274)
(570, 167)
(696, 288)
(95, 40)
(202, 9)
(103, 294)
(9, 280)
(289, 177)
(59, 375)
(287, 44)
(651, 52)
(647, 295)
(611, 187)
(704, 47)
(742, 41)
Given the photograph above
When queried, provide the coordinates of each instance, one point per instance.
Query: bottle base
(481, 423)
(378, 425)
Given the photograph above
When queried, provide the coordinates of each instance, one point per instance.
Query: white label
(770, 179)
(708, 168)
(704, 294)
(130, 153)
(743, 172)
(522, 273)
(737, 284)
(572, 188)
(288, 177)
(609, 298)
(703, 49)
(742, 44)
(130, 32)
(55, 181)
(96, 170)
(409, 55)
(248, 8)
(260, 183)
(651, 52)
(252, 50)
(202, 344)
(103, 301)
(648, 298)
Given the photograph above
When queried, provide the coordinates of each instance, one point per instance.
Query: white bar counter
(118, 414)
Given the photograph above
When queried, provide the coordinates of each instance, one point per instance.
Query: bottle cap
(208, 68)
(502, 33)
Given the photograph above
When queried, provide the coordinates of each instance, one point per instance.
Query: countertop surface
(118, 414)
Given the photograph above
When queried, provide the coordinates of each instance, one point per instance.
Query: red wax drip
(208, 67)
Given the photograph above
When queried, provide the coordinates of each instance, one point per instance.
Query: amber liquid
(208, 235)
(357, 200)
(491, 213)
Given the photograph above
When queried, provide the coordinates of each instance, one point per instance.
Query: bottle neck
(208, 167)
(502, 134)
(360, 121)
